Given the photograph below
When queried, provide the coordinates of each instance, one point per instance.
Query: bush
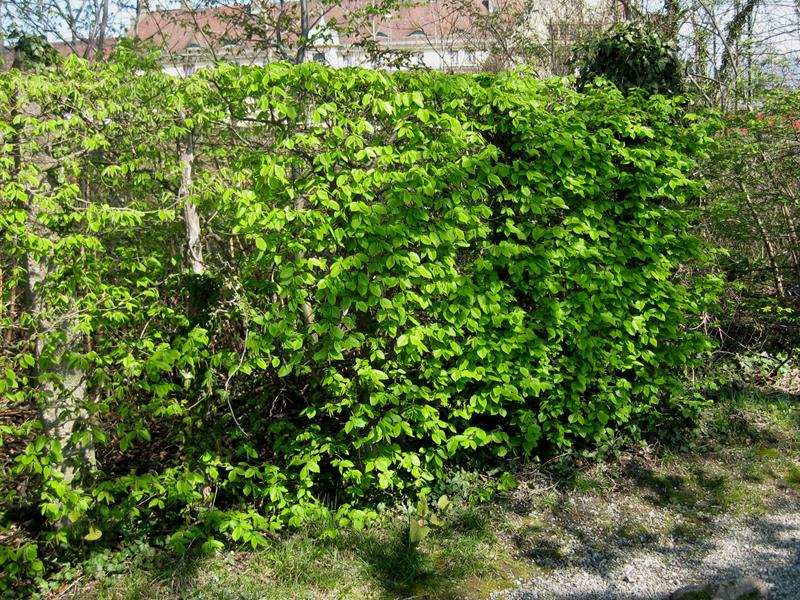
(633, 56)
(402, 274)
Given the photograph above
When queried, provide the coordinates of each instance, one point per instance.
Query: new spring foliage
(402, 273)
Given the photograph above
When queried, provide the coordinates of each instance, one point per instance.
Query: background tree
(752, 211)
(733, 49)
(259, 31)
(82, 27)
(509, 33)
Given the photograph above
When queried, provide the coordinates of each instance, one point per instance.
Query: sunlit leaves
(404, 272)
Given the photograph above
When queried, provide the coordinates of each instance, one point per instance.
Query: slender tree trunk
(769, 248)
(279, 30)
(60, 382)
(2, 37)
(304, 31)
(2, 293)
(701, 38)
(627, 10)
(101, 35)
(194, 242)
(142, 8)
(775, 177)
(731, 61)
(7, 310)
(672, 8)
(794, 248)
(305, 307)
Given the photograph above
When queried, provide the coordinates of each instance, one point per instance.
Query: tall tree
(733, 48)
(82, 27)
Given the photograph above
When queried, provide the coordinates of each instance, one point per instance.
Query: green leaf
(417, 531)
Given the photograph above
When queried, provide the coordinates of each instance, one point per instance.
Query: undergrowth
(742, 459)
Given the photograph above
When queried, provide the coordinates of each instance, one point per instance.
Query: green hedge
(405, 273)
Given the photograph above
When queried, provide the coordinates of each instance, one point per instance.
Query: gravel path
(765, 547)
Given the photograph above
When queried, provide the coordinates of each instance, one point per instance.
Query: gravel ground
(765, 547)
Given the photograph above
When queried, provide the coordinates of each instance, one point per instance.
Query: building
(450, 35)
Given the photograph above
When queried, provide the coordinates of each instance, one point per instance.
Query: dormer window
(418, 33)
(381, 36)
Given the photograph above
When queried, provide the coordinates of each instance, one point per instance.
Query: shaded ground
(647, 555)
(637, 527)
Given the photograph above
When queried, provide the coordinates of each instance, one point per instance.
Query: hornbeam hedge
(236, 301)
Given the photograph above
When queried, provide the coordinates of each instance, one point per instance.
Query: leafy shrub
(404, 274)
(633, 56)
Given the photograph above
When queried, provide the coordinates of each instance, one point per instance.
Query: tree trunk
(142, 7)
(101, 34)
(769, 248)
(672, 8)
(8, 311)
(194, 242)
(733, 35)
(2, 37)
(60, 382)
(304, 32)
(791, 229)
(774, 176)
(305, 307)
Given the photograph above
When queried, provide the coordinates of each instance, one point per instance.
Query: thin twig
(64, 592)
(227, 382)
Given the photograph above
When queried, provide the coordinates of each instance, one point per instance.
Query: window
(418, 33)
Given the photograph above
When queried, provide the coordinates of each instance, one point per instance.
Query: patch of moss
(767, 452)
(635, 532)
(691, 529)
(593, 481)
(699, 595)
(793, 477)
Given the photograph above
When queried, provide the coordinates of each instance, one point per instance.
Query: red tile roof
(177, 30)
(213, 28)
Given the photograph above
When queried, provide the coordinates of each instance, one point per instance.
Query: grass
(367, 564)
(745, 458)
